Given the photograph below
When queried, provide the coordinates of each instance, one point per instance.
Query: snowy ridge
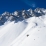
(21, 15)
(30, 31)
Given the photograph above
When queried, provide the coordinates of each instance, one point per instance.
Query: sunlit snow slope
(29, 32)
(10, 32)
(34, 34)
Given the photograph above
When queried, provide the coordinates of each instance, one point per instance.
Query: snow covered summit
(26, 28)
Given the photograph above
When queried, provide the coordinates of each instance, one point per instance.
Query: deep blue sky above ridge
(12, 5)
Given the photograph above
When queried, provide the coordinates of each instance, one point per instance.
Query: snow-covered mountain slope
(33, 35)
(31, 31)
(10, 31)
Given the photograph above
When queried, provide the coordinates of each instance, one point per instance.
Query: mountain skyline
(22, 22)
(28, 32)
(21, 15)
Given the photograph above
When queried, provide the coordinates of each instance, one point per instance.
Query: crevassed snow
(15, 34)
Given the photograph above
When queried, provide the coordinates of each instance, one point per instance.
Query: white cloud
(33, 5)
(30, 3)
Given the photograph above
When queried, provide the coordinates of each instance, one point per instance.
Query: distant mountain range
(21, 15)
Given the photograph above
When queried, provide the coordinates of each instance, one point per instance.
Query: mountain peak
(21, 15)
(6, 13)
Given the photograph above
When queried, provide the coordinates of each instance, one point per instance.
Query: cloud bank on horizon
(30, 3)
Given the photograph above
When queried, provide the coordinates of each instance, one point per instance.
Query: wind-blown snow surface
(15, 34)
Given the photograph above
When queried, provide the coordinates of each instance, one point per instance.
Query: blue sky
(12, 5)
